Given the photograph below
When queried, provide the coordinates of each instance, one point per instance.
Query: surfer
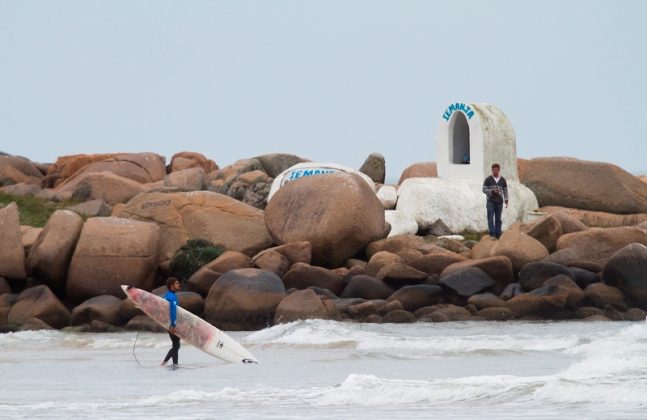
(173, 285)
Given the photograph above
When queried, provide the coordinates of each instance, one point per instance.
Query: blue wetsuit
(175, 340)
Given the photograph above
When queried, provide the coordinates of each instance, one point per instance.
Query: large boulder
(568, 222)
(598, 218)
(467, 281)
(50, 255)
(229, 260)
(417, 296)
(374, 167)
(302, 276)
(430, 199)
(574, 294)
(200, 214)
(244, 299)
(498, 268)
(337, 213)
(398, 274)
(104, 308)
(366, 287)
(595, 246)
(585, 185)
(401, 223)
(140, 167)
(308, 169)
(520, 248)
(380, 260)
(304, 304)
(12, 254)
(111, 252)
(627, 270)
(111, 188)
(419, 170)
(39, 302)
(188, 160)
(26, 167)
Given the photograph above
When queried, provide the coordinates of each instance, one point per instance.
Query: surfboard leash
(135, 343)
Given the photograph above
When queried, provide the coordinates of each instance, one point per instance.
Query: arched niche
(459, 139)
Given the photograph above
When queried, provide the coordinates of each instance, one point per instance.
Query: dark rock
(191, 301)
(373, 319)
(532, 276)
(244, 299)
(34, 324)
(467, 281)
(103, 308)
(362, 310)
(390, 306)
(574, 295)
(498, 268)
(398, 316)
(486, 300)
(494, 313)
(584, 277)
(602, 294)
(275, 163)
(4, 286)
(635, 314)
(587, 311)
(596, 318)
(417, 296)
(366, 287)
(447, 313)
(202, 280)
(374, 167)
(439, 228)
(302, 276)
(541, 302)
(627, 270)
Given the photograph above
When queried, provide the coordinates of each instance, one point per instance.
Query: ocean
(327, 369)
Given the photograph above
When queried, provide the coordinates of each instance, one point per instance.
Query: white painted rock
(401, 223)
(303, 169)
(459, 203)
(388, 196)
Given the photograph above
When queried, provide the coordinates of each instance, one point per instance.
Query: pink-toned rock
(602, 295)
(304, 304)
(599, 218)
(584, 185)
(435, 263)
(39, 302)
(201, 214)
(229, 260)
(273, 261)
(420, 169)
(107, 186)
(520, 248)
(104, 308)
(29, 236)
(12, 254)
(380, 260)
(139, 167)
(396, 244)
(295, 252)
(337, 223)
(546, 230)
(569, 223)
(192, 179)
(50, 256)
(187, 160)
(302, 276)
(66, 166)
(483, 248)
(595, 246)
(111, 252)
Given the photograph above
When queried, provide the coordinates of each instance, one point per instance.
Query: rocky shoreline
(319, 248)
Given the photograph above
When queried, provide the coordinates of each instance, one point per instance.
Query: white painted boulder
(388, 196)
(460, 203)
(401, 223)
(304, 169)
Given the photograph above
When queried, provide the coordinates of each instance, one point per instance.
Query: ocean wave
(53, 339)
(419, 341)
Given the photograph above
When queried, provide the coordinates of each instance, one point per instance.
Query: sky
(331, 81)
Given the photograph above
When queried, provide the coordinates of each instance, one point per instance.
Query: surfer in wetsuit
(173, 285)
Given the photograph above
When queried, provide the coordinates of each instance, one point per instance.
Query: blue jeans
(494, 218)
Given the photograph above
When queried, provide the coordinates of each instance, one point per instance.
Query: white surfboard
(190, 327)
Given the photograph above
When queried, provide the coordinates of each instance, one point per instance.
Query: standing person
(495, 189)
(173, 285)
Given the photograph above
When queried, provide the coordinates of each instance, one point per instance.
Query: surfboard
(190, 327)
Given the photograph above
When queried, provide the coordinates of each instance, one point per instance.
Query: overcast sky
(327, 80)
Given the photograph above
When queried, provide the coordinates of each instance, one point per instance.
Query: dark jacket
(490, 186)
